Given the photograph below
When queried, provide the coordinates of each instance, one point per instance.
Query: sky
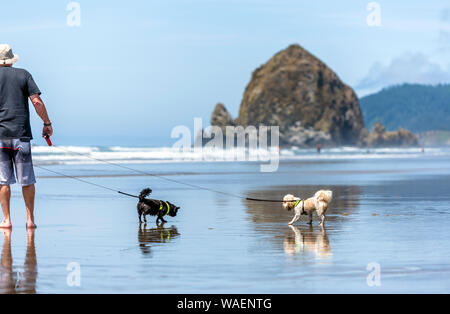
(133, 70)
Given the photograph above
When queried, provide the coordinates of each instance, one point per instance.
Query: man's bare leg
(5, 196)
(28, 195)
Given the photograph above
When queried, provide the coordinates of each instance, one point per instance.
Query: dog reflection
(11, 281)
(307, 240)
(155, 235)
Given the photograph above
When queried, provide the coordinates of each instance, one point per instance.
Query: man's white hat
(6, 55)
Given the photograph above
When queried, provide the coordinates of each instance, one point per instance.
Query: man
(16, 86)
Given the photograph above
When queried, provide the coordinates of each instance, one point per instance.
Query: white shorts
(15, 154)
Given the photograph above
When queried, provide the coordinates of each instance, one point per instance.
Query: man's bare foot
(31, 225)
(6, 223)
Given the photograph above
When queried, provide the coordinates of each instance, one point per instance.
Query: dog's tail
(324, 196)
(144, 193)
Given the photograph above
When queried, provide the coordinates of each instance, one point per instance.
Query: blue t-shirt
(16, 85)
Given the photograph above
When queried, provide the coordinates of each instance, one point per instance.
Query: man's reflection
(307, 240)
(155, 235)
(15, 281)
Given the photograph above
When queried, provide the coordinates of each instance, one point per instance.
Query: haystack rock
(305, 98)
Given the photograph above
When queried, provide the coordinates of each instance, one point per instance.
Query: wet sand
(391, 212)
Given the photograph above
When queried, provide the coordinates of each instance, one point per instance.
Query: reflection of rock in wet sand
(305, 239)
(155, 235)
(15, 281)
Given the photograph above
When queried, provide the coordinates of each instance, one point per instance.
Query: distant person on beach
(319, 147)
(16, 86)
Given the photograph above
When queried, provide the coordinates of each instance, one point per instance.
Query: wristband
(45, 124)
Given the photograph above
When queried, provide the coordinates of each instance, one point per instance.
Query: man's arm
(42, 112)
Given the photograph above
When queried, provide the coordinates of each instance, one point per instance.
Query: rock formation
(221, 117)
(379, 137)
(309, 102)
(299, 93)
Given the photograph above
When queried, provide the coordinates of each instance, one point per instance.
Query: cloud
(444, 31)
(444, 40)
(408, 68)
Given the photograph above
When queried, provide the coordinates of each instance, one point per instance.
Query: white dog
(319, 203)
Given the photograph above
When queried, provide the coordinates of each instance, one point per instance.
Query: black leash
(149, 174)
(263, 200)
(84, 181)
(131, 195)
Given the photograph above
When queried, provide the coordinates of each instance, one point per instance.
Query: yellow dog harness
(161, 208)
(303, 206)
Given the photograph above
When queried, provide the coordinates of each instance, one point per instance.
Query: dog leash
(264, 200)
(47, 138)
(135, 196)
(131, 195)
(85, 181)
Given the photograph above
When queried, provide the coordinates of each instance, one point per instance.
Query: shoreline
(335, 172)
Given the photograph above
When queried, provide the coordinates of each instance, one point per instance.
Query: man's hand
(47, 130)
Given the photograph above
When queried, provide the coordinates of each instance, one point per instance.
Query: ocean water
(390, 212)
(119, 154)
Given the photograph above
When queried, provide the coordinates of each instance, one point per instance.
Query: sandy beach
(390, 211)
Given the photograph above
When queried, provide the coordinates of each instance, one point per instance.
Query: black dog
(153, 207)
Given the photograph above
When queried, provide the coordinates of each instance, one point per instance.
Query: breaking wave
(119, 154)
